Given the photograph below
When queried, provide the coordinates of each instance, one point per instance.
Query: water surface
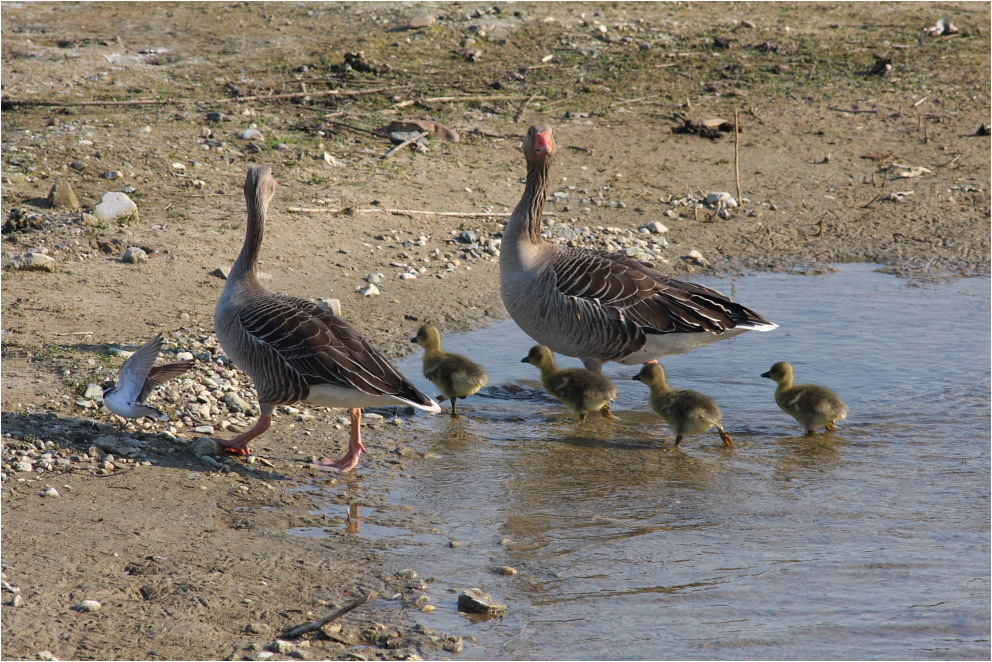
(868, 543)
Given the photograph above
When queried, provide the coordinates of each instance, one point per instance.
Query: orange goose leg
(355, 446)
(239, 445)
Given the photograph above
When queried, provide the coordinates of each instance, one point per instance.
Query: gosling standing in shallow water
(813, 406)
(685, 411)
(579, 389)
(455, 375)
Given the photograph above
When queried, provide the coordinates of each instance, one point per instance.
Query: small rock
(134, 255)
(506, 570)
(282, 646)
(50, 492)
(408, 276)
(205, 447)
(62, 196)
(235, 402)
(698, 258)
(221, 272)
(252, 134)
(216, 117)
(116, 207)
(720, 199)
(408, 574)
(257, 628)
(184, 356)
(477, 601)
(655, 227)
(29, 262)
(333, 306)
(421, 21)
(370, 290)
(112, 174)
(16, 601)
(88, 605)
(93, 392)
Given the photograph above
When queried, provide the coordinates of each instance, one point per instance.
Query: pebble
(205, 447)
(697, 257)
(408, 574)
(93, 392)
(333, 306)
(252, 134)
(655, 227)
(720, 199)
(235, 402)
(88, 605)
(370, 290)
(112, 174)
(506, 570)
(16, 600)
(62, 196)
(29, 262)
(478, 601)
(50, 492)
(421, 21)
(116, 207)
(282, 646)
(134, 255)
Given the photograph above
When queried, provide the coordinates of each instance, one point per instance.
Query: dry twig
(316, 625)
(404, 144)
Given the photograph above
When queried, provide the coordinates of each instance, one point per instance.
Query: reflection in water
(865, 543)
(354, 522)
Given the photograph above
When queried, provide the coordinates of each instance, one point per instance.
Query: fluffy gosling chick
(455, 375)
(685, 411)
(579, 389)
(813, 406)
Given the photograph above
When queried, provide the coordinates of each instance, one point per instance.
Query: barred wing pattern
(607, 291)
(297, 344)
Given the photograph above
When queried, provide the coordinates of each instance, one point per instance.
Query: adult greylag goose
(294, 350)
(596, 305)
(138, 377)
(685, 411)
(456, 376)
(813, 406)
(580, 390)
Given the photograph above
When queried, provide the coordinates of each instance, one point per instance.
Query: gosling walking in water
(455, 375)
(813, 406)
(685, 411)
(579, 389)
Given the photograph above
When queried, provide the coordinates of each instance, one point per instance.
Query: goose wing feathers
(319, 348)
(131, 381)
(625, 290)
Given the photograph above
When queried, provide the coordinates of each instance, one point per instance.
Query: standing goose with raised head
(294, 350)
(456, 376)
(596, 305)
(685, 411)
(580, 390)
(811, 405)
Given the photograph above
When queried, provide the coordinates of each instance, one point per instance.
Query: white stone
(116, 207)
(655, 227)
(332, 306)
(370, 290)
(88, 605)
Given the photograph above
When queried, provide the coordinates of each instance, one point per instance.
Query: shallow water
(868, 543)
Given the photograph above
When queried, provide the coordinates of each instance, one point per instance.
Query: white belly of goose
(325, 395)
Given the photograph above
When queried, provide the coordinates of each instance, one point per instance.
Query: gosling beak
(766, 374)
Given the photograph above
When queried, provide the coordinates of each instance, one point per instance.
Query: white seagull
(138, 377)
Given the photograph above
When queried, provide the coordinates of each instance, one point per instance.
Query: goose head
(541, 357)
(260, 187)
(428, 337)
(781, 372)
(539, 145)
(651, 374)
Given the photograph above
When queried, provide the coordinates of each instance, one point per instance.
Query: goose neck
(525, 222)
(247, 262)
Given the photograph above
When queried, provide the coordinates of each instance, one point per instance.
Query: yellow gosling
(685, 411)
(813, 406)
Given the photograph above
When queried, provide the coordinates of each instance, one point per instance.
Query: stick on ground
(316, 625)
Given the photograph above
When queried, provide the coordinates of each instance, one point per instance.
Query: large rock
(478, 601)
(28, 262)
(62, 196)
(116, 207)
